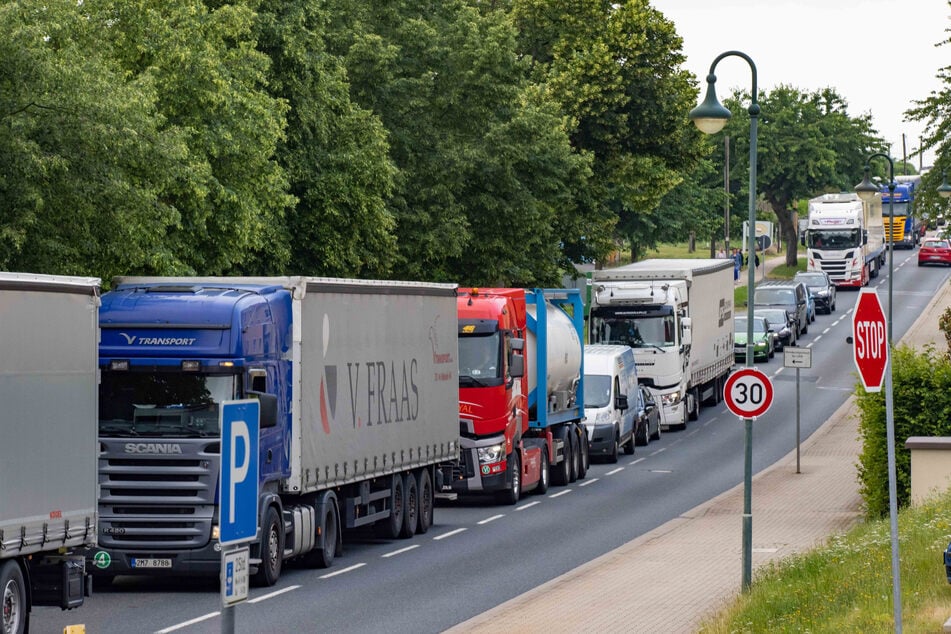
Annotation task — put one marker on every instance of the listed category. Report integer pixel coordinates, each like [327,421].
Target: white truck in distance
[845,238]
[49,334]
[677,315]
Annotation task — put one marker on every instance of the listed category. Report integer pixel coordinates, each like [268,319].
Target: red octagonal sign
[869,335]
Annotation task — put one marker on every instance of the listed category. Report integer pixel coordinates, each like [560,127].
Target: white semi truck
[48,411]
[845,238]
[677,315]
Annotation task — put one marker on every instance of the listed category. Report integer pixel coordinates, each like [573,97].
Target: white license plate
[151,563]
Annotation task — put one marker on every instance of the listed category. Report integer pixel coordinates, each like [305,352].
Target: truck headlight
[492,453]
[671,399]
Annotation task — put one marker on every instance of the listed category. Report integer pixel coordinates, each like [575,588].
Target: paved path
[673,577]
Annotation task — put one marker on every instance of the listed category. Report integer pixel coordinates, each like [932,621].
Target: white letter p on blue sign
[238,490]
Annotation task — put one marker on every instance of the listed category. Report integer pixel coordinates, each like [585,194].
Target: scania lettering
[358,393]
[48,403]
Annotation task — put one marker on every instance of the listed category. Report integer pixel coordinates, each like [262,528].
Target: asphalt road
[479,555]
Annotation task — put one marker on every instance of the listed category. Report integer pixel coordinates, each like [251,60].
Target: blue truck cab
[170,353]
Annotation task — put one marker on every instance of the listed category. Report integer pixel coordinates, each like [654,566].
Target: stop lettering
[870,339]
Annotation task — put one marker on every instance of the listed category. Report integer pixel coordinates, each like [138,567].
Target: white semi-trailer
[677,315]
[48,394]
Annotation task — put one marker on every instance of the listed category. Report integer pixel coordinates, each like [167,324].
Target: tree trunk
[787,230]
[692,242]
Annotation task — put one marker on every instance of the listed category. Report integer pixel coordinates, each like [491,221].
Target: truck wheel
[512,496]
[693,404]
[323,557]
[544,473]
[410,506]
[271,549]
[584,457]
[13,598]
[562,472]
[390,527]
[425,485]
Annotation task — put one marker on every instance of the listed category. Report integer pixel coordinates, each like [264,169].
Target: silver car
[780,322]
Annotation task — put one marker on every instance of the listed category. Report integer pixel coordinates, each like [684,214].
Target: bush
[921,389]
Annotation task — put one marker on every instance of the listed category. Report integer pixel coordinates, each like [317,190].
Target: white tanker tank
[557,334]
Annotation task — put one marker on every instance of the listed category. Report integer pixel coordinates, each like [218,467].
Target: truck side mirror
[268,403]
[802,239]
[620,402]
[864,236]
[686,337]
[517,366]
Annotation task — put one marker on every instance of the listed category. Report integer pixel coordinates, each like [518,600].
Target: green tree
[807,143]
[615,68]
[84,156]
[484,188]
[335,154]
[933,112]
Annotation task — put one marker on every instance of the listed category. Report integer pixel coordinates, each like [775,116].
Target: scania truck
[677,315]
[48,394]
[521,394]
[358,395]
[845,238]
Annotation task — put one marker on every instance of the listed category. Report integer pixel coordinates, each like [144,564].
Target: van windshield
[597,390]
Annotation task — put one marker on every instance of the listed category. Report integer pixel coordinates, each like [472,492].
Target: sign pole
[892,494]
[798,443]
[797,358]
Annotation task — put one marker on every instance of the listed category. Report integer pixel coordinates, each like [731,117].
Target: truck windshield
[834,238]
[171,404]
[479,358]
[642,332]
[597,390]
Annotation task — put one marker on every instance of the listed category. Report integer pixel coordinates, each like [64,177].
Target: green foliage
[921,388]
[845,584]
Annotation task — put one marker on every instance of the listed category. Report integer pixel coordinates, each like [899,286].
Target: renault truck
[356,382]
[521,392]
[677,316]
[48,396]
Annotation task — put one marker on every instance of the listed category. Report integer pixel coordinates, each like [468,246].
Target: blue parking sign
[238,494]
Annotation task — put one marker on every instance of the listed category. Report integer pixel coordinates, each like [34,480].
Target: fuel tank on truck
[563,348]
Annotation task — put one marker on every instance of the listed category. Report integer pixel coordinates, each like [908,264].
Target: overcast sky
[879,55]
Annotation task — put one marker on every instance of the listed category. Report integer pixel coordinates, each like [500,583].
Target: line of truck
[376,396]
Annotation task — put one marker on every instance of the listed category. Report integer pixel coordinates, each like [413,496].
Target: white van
[610,396]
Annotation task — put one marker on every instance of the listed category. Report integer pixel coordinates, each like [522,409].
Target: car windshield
[740,325]
[936,244]
[775,296]
[597,390]
[775,317]
[812,279]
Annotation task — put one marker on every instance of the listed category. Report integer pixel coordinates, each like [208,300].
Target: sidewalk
[684,571]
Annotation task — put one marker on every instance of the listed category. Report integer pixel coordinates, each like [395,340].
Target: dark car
[647,423]
[934,252]
[820,287]
[782,325]
[790,295]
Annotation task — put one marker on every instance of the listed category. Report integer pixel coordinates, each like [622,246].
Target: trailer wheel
[410,506]
[13,598]
[512,496]
[425,485]
[562,472]
[391,526]
[575,457]
[271,550]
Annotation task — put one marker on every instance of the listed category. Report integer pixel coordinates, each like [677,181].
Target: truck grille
[154,501]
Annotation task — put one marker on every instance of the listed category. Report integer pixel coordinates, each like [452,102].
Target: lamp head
[710,116]
[867,189]
[944,189]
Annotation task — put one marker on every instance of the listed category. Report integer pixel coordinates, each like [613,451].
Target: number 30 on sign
[748,393]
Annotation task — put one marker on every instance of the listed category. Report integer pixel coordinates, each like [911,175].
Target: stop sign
[869,334]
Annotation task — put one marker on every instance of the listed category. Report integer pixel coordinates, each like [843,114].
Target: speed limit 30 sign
[748,393]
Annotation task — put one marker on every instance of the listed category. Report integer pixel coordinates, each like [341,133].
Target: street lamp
[710,116]
[944,189]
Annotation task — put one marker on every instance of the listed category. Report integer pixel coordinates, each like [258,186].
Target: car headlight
[822,293]
[671,399]
[492,453]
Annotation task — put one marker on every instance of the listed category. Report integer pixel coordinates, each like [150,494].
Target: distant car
[647,421]
[934,251]
[820,287]
[811,307]
[764,347]
[781,323]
